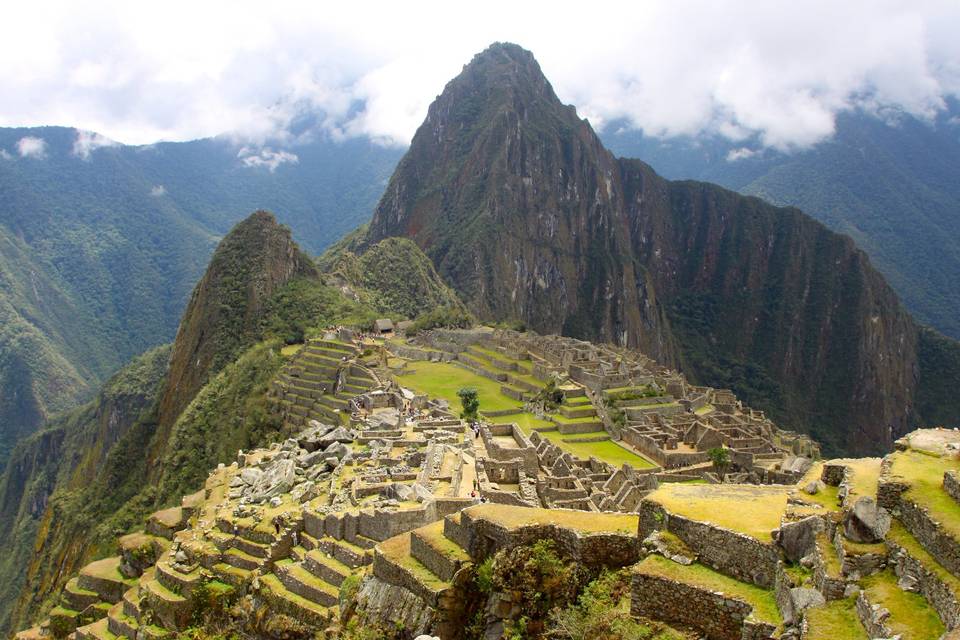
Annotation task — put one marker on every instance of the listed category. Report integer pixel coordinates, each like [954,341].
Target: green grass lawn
[526,421]
[762,600]
[443,380]
[606,450]
[924,473]
[754,510]
[836,620]
[910,614]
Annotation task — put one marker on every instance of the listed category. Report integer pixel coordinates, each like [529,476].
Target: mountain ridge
[530,218]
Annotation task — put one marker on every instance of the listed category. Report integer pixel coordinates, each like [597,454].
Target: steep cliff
[529,218]
[65,457]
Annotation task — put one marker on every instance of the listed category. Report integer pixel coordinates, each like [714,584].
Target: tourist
[296,541]
[276,524]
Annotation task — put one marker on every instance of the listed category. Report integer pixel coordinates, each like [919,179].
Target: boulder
[336,450]
[340,434]
[310,439]
[814,487]
[277,479]
[310,460]
[799,538]
[251,475]
[866,522]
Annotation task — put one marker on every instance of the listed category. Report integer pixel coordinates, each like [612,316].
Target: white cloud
[158,190]
[266,157]
[778,71]
[5,155]
[88,141]
[742,153]
[31,147]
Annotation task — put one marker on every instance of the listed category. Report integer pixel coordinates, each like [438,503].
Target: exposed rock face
[867,522]
[525,213]
[521,208]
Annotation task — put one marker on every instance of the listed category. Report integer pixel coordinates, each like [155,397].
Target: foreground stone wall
[715,615]
[484,537]
[734,554]
[940,596]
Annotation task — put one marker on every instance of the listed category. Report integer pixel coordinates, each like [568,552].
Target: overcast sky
[141,71]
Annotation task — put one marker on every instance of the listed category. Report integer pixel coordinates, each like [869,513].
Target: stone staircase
[318,383]
[90,601]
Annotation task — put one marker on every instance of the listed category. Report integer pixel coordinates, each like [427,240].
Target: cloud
[88,141]
[266,157]
[743,153]
[158,190]
[30,147]
[777,72]
[5,155]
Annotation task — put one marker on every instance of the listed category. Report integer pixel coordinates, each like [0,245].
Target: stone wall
[485,537]
[715,615]
[734,554]
[940,596]
[929,533]
[951,484]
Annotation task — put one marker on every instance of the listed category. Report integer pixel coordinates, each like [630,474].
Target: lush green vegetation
[394,278]
[98,261]
[470,402]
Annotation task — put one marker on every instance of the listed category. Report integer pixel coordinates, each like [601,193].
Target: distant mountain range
[892,183]
[100,244]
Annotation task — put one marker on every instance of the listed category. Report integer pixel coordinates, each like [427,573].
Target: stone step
[131,602]
[307,541]
[173,610]
[120,624]
[287,602]
[63,621]
[333,402]
[228,574]
[167,522]
[364,542]
[95,631]
[140,550]
[577,411]
[241,559]
[347,553]
[442,556]
[326,567]
[77,598]
[103,577]
[182,583]
[306,585]
[393,561]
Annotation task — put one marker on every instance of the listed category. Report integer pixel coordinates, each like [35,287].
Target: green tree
[720,457]
[470,400]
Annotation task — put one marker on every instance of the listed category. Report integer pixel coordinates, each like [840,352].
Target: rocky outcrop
[525,213]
